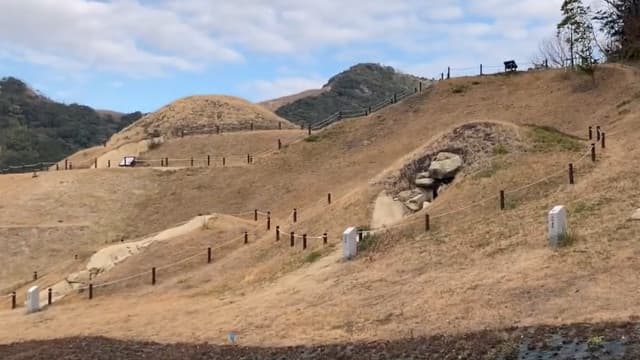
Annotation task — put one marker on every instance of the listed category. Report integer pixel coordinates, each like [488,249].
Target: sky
[129,55]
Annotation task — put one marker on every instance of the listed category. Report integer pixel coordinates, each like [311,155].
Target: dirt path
[387,212]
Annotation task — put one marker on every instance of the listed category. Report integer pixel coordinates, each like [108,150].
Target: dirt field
[478,268]
[600,341]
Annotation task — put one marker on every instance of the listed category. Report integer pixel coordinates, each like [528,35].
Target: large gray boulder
[424,181]
[445,166]
[416,203]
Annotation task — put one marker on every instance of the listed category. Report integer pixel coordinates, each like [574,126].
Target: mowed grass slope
[477,268]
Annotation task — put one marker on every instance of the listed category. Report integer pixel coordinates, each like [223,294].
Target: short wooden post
[590,133]
[593,152]
[340,115]
[246,237]
[502,205]
[35,275]
[192,161]
[218,129]
[369,112]
[325,238]
[166,162]
[182,133]
[295,215]
[95,163]
[293,239]
[280,126]
[153,276]
[360,235]
[441,76]
[255,215]
[279,144]
[57,167]
[90,291]
[304,241]
[208,160]
[329,198]
[309,129]
[66,164]
[602,137]
[278,233]
[224,161]
[70,165]
[571,179]
[597,133]
[248,158]
[420,87]
[251,126]
[49,296]
[109,163]
[395,98]
[209,255]
[268,220]
[427,223]
[448,72]
[13,300]
[481,70]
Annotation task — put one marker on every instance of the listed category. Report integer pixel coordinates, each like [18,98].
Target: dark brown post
[293,239]
[593,152]
[420,86]
[329,198]
[441,76]
[153,276]
[90,291]
[166,162]
[209,255]
[590,133]
[268,220]
[95,163]
[571,179]
[304,241]
[251,126]
[57,167]
[255,215]
[109,163]
[13,300]
[208,160]
[35,275]
[192,161]
[280,126]
[603,141]
[325,238]
[70,165]
[278,233]
[309,129]
[181,133]
[360,235]
[597,133]
[218,129]
[49,297]
[395,98]
[448,72]
[427,223]
[340,115]
[502,200]
[224,161]
[295,215]
[246,237]
[481,70]
[66,164]
[248,158]
[279,144]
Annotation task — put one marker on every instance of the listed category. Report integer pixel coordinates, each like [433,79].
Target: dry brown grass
[478,268]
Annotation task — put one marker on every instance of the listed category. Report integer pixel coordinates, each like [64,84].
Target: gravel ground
[601,341]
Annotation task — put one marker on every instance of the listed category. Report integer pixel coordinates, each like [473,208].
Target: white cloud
[145,38]
[266,90]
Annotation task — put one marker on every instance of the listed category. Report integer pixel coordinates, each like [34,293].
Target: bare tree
[554,51]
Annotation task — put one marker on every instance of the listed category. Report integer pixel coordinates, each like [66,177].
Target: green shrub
[312,256]
[549,139]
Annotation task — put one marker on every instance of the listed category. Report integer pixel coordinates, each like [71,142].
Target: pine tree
[620,21]
[577,30]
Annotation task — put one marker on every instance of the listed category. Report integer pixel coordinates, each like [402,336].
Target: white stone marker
[33,299]
[349,243]
[557,225]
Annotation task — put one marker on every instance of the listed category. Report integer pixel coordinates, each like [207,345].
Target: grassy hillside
[35,129]
[361,86]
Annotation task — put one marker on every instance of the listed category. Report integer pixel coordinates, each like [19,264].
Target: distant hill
[276,104]
[198,114]
[361,86]
[34,128]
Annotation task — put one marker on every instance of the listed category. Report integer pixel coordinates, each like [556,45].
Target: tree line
[611,31]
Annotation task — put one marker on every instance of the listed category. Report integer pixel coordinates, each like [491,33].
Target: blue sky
[129,55]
